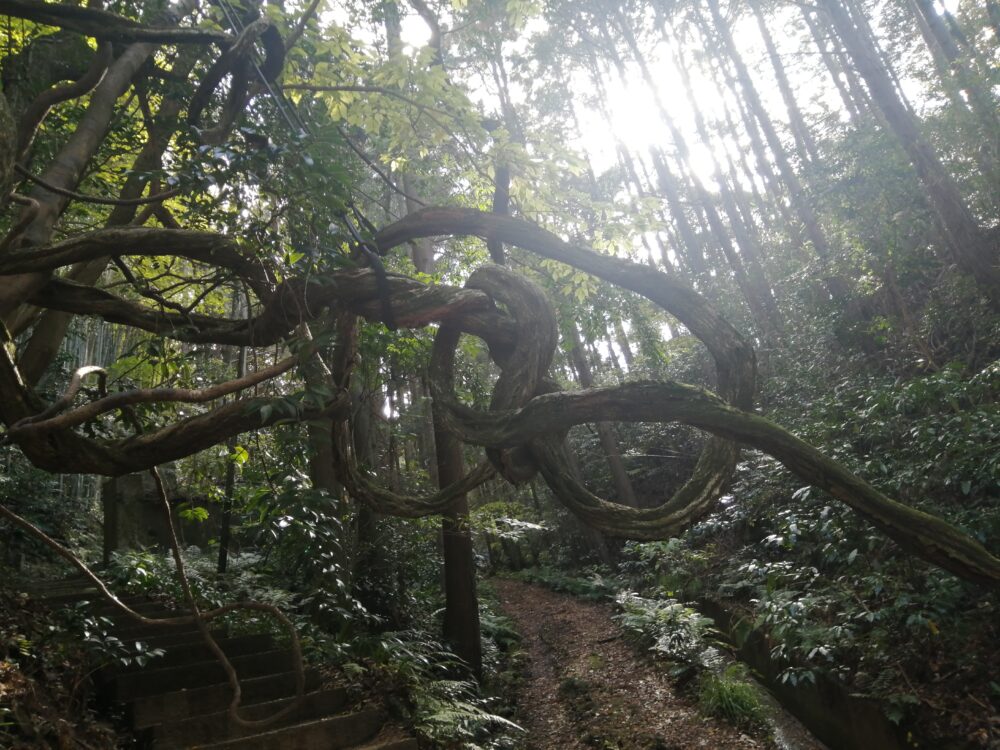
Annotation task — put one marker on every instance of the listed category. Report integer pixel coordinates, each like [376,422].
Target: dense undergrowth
[394,658]
[420,680]
[44,678]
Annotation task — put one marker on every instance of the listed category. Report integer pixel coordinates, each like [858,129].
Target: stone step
[131,630]
[154,681]
[94,603]
[42,586]
[119,623]
[332,733]
[218,727]
[141,605]
[197,651]
[183,637]
[181,704]
[145,607]
[67,598]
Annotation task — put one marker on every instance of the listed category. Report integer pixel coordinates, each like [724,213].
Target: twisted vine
[523,431]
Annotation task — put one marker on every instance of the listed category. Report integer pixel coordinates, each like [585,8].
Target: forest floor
[584,687]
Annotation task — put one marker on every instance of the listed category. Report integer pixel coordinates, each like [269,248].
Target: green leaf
[194,513]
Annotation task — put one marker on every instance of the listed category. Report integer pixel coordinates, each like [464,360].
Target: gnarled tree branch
[49,420]
[102,24]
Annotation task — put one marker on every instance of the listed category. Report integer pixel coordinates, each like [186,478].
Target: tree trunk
[668,183]
[691,248]
[969,245]
[50,328]
[428,461]
[370,572]
[853,96]
[229,486]
[421,250]
[859,17]
[800,200]
[800,131]
[67,168]
[8,150]
[623,343]
[724,80]
[957,79]
[461,616]
[461,611]
[746,267]
[629,167]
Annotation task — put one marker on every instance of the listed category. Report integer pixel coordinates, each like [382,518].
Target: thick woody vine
[526,409]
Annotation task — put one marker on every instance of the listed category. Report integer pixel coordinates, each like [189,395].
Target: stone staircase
[181,699]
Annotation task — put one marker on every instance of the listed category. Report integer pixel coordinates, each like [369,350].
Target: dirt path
[585,688]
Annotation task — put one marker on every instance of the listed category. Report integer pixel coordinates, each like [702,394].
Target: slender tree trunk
[800,131]
[800,200]
[747,268]
[421,250]
[854,98]
[668,183]
[428,458]
[229,485]
[773,206]
[501,168]
[461,613]
[725,80]
[691,246]
[935,46]
[621,339]
[957,79]
[369,572]
[614,358]
[969,245]
[859,17]
[755,294]
[627,162]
